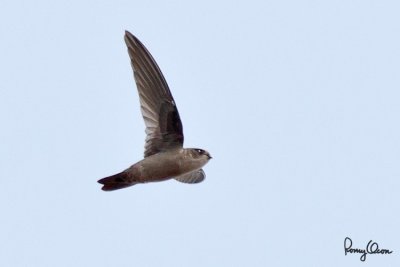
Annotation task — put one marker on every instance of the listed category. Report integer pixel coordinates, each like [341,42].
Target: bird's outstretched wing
[163,124]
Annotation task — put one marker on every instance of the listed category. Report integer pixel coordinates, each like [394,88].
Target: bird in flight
[164,155]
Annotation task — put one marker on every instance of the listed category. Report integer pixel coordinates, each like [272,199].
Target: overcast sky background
[298,102]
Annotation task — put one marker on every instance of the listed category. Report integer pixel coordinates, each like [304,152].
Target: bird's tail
[117,181]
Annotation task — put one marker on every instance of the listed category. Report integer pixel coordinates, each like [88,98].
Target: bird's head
[200,154]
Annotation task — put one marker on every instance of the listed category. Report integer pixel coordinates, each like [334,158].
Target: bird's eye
[200,151]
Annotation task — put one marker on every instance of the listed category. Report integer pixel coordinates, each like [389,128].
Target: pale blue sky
[297,101]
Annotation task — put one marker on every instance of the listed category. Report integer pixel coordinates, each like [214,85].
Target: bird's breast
[160,166]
